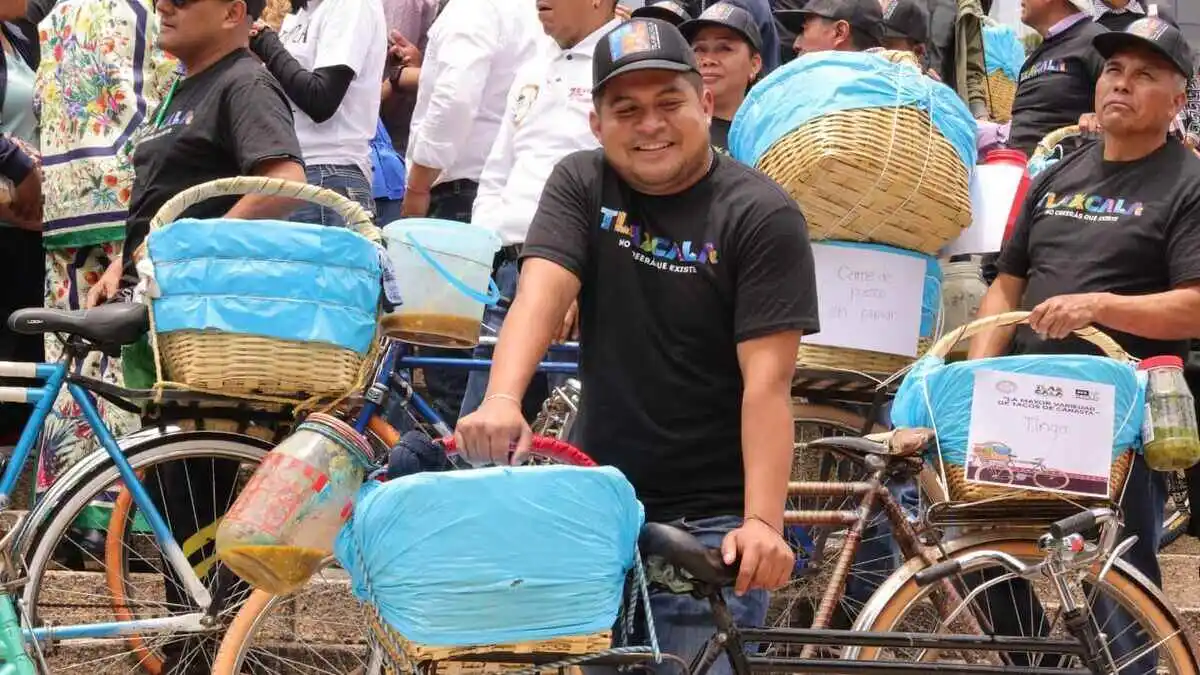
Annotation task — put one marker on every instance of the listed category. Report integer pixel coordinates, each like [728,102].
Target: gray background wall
[1188,13]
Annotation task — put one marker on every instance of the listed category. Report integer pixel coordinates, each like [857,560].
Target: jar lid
[341,433]
[1167,361]
[1005,156]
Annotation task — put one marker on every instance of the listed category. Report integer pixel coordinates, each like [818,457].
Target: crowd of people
[579,130]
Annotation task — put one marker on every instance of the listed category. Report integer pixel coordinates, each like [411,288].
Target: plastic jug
[1169,433]
[1012,159]
[998,188]
[285,521]
[445,273]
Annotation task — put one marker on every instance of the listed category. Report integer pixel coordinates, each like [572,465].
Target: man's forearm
[1173,315]
[257,207]
[768,444]
[421,178]
[995,341]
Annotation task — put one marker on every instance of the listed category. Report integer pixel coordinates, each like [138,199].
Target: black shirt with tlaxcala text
[670,286]
[219,123]
[1091,226]
[1057,85]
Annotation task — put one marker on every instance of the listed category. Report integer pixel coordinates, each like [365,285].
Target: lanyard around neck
[162,109]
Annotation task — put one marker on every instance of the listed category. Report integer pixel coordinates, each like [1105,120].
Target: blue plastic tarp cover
[938,395]
[496,555]
[931,299]
[827,82]
[268,278]
[1003,51]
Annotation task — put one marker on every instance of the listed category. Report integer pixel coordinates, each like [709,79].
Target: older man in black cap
[1109,237]
[729,50]
[835,25]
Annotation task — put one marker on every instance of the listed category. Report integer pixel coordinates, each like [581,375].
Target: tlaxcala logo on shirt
[660,252]
[1084,206]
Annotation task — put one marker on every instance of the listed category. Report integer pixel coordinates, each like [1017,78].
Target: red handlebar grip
[553,448]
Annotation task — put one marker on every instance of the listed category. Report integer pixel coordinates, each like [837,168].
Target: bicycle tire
[900,591]
[43,541]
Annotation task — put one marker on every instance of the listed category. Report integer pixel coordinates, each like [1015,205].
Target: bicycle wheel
[903,605]
[75,598]
[322,628]
[1178,513]
[1051,479]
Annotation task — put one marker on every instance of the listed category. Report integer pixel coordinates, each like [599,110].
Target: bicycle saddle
[115,324]
[683,550]
[899,443]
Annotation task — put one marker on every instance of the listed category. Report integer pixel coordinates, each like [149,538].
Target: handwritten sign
[993,189]
[868,299]
[1041,433]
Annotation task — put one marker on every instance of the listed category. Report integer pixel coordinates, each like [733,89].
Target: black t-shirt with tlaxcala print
[1091,226]
[218,124]
[1057,85]
[670,286]
[718,132]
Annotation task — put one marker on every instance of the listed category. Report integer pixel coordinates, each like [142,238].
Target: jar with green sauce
[1169,431]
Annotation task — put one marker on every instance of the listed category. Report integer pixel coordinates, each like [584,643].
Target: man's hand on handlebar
[764,559]
[487,435]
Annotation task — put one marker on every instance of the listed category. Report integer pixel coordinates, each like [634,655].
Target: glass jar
[285,521]
[1169,431]
[963,289]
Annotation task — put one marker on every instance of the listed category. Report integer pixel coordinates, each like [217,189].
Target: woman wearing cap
[665,10]
[728,48]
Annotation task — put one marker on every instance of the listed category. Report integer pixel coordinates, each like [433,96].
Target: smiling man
[695,281]
[1110,236]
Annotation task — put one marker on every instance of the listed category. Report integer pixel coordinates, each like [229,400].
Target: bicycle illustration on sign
[994,462]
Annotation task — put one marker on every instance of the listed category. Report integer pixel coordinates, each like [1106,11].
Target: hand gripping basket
[954,476]
[882,173]
[247,365]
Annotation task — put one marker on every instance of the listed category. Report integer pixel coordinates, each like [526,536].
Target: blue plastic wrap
[494,556]
[827,82]
[931,299]
[948,389]
[268,278]
[1003,51]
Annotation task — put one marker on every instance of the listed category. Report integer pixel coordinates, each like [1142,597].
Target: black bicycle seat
[684,551]
[114,324]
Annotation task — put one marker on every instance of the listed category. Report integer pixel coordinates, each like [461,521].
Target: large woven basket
[855,360]
[884,175]
[959,489]
[247,365]
[1001,92]
[408,657]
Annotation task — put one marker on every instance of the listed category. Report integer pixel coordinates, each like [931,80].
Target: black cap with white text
[641,44]
[1154,34]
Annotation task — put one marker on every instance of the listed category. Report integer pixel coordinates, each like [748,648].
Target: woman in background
[329,56]
[728,49]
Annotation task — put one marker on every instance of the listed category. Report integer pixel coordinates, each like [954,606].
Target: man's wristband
[503,397]
[762,520]
[394,78]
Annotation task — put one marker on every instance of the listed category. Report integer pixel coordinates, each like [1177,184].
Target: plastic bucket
[444,269]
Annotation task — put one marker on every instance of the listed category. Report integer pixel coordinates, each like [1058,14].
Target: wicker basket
[857,360]
[884,175]
[1001,92]
[407,657]
[959,489]
[247,365]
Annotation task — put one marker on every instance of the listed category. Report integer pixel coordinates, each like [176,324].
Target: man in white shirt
[475,48]
[546,120]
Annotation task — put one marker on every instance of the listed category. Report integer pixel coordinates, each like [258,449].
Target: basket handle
[1092,334]
[1047,145]
[357,218]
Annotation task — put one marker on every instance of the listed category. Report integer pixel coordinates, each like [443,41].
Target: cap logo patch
[633,37]
[1151,28]
[717,12]
[889,8]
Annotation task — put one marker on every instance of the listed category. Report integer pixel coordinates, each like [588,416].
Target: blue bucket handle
[491,298]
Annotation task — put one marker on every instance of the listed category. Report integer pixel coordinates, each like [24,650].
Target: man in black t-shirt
[1110,236]
[695,281]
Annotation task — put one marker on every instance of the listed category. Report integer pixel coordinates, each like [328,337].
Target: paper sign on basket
[1041,433]
[868,299]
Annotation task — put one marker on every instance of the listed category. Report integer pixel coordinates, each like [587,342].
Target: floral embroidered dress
[100,74]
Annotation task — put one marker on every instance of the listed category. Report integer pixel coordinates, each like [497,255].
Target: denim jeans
[387,211]
[506,275]
[346,180]
[683,623]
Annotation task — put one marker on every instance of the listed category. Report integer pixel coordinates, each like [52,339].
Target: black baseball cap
[641,44]
[864,16]
[665,10]
[1152,33]
[727,15]
[906,19]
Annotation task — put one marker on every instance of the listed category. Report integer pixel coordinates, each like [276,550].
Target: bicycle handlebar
[489,341]
[553,448]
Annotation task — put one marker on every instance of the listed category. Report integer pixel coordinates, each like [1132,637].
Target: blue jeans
[493,318]
[387,211]
[684,624]
[346,180]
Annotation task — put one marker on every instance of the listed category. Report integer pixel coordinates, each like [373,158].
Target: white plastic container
[997,189]
[444,270]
